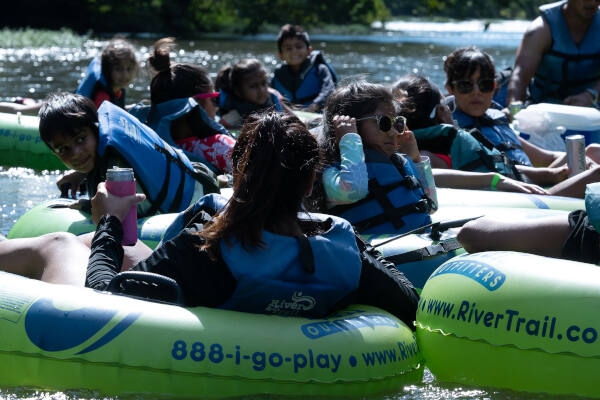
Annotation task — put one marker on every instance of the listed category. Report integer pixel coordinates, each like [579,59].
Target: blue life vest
[94,79]
[296,276]
[160,117]
[164,173]
[210,204]
[304,87]
[494,126]
[396,202]
[469,151]
[567,69]
[228,102]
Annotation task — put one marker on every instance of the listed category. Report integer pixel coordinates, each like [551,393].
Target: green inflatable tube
[21,145]
[55,216]
[416,255]
[62,337]
[513,320]
[489,198]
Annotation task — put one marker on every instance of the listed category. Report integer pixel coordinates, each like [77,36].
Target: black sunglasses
[386,123]
[485,86]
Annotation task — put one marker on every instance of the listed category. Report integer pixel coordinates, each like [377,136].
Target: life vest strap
[163,190]
[307,259]
[394,215]
[174,206]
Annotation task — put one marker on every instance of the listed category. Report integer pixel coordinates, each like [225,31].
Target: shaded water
[30,70]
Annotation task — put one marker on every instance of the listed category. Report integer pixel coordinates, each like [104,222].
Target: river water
[34,65]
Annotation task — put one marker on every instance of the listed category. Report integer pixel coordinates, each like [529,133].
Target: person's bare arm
[537,41]
[540,157]
[452,178]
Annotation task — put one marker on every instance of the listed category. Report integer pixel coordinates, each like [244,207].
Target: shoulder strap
[307,259]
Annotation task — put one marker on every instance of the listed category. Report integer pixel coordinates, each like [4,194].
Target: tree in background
[190,17]
[462,9]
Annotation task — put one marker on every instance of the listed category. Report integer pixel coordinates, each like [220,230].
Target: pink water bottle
[120,182]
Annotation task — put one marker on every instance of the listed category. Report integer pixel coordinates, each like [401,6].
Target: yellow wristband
[495,180]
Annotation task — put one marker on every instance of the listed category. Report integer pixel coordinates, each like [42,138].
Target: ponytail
[175,81]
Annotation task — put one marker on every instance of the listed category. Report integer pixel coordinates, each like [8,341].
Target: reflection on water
[382,57]
[20,190]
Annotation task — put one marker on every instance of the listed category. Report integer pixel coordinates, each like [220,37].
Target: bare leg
[131,254]
[55,257]
[544,236]
[575,186]
[593,152]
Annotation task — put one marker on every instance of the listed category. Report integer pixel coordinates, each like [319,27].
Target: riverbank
[411,27]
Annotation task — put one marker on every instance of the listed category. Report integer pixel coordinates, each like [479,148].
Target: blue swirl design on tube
[52,329]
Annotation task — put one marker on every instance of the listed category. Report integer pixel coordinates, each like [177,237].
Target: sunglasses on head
[485,85]
[385,123]
[448,101]
[209,95]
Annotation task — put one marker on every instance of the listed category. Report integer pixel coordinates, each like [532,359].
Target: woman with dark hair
[258,252]
[386,196]
[429,114]
[470,78]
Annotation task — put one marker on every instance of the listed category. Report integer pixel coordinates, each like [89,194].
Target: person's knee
[471,236]
[593,151]
[594,174]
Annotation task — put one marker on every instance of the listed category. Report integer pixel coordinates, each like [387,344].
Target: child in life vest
[183,110]
[243,90]
[90,141]
[361,140]
[304,78]
[470,78]
[108,77]
[460,158]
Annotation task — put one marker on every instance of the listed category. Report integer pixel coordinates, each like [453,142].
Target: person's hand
[508,114]
[105,203]
[343,124]
[72,178]
[407,144]
[510,185]
[551,176]
[583,99]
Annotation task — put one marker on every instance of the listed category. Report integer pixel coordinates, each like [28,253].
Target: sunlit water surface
[408,47]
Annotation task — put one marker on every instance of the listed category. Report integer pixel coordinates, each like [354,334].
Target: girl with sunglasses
[470,78]
[367,181]
[183,110]
[243,90]
[429,114]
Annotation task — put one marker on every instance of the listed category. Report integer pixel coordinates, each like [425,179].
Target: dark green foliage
[526,9]
[189,17]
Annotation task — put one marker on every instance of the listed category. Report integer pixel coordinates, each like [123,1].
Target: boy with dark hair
[304,77]
[91,142]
